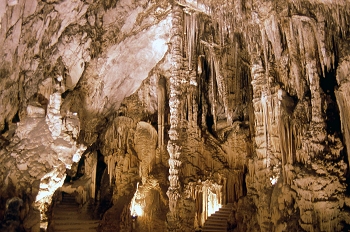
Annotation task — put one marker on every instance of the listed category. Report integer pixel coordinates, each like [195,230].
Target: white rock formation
[42,147]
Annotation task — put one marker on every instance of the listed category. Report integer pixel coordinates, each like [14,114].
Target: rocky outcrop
[38,155]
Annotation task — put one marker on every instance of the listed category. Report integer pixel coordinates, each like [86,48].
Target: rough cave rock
[161,115]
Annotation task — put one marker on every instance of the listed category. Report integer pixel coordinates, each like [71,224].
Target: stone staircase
[67,216]
[217,222]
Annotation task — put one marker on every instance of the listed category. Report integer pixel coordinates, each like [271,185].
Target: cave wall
[244,100]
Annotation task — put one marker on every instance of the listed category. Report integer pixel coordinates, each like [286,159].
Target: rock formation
[157,113]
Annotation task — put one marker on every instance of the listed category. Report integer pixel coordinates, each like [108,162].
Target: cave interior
[157,115]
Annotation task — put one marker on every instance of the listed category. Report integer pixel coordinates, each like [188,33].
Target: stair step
[224,211]
[222,214]
[214,230]
[68,201]
[215,217]
[73,203]
[81,230]
[76,226]
[68,198]
[216,226]
[67,195]
[65,212]
[68,216]
[76,230]
[67,207]
[215,222]
[80,222]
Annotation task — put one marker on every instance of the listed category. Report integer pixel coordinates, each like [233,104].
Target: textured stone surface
[199,103]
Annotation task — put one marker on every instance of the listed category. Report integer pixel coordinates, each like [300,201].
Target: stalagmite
[92,164]
[53,118]
[285,106]
[145,145]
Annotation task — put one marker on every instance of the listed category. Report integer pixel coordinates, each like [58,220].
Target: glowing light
[273,180]
[43,225]
[76,157]
[136,207]
[213,203]
[137,210]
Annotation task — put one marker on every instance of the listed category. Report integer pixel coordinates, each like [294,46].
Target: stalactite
[161,114]
[213,92]
[111,160]
[218,87]
[221,86]
[191,32]
[265,47]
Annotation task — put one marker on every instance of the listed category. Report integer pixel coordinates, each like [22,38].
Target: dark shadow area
[328,85]
[11,221]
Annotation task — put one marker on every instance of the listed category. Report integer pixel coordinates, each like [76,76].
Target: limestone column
[174,146]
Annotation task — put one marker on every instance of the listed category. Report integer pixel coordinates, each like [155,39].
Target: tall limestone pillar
[174,144]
